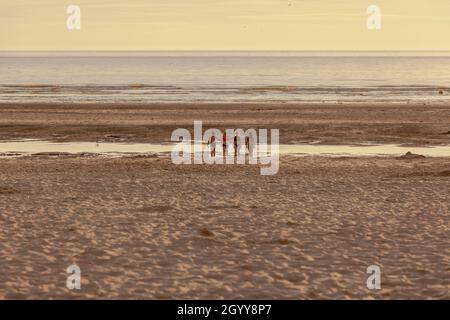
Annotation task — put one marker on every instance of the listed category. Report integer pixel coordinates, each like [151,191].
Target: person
[236,150]
[247,143]
[212,145]
[224,143]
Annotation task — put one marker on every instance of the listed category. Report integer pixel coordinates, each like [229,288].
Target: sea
[224,76]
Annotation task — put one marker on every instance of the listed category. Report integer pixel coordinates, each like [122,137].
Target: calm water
[224,76]
[30,147]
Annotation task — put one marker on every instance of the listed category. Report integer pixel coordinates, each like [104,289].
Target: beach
[141,227]
[413,123]
[227,154]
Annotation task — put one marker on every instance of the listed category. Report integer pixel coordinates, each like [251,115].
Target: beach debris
[290,222]
[205,232]
[53,154]
[112,136]
[410,155]
[441,92]
[283,241]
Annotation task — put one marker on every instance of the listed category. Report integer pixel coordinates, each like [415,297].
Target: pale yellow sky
[224,25]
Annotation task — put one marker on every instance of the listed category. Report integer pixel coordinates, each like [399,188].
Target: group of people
[212,144]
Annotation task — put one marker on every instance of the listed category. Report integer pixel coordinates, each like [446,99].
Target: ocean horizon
[224,76]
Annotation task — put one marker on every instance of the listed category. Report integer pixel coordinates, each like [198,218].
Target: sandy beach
[328,123]
[142,227]
[225,150]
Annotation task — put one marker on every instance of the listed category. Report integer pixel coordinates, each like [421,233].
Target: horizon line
[220,50]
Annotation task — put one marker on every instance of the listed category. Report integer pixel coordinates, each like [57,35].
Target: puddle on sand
[30,147]
[364,150]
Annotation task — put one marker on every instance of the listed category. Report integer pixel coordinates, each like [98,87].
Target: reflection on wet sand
[30,147]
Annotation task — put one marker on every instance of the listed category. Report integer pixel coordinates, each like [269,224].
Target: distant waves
[138,92]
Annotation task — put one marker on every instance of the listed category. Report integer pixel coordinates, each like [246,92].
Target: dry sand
[145,228]
[142,227]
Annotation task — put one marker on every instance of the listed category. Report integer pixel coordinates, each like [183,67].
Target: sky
[225,25]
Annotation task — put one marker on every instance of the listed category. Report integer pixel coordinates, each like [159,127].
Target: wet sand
[328,123]
[145,228]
